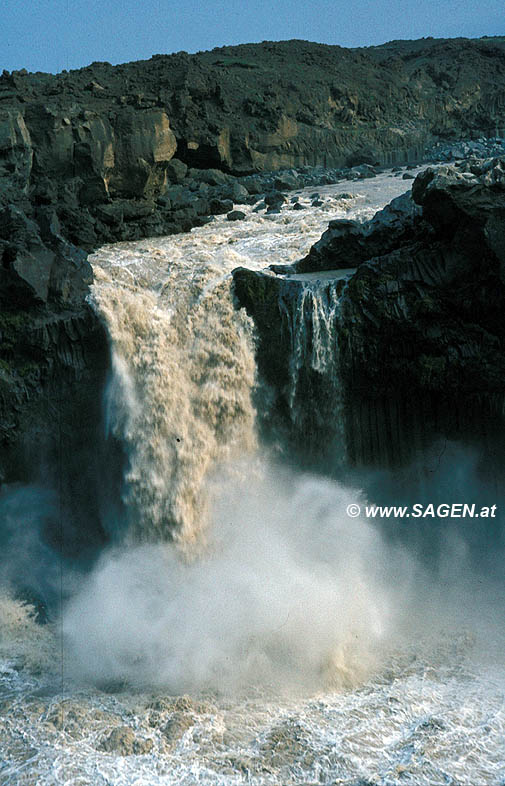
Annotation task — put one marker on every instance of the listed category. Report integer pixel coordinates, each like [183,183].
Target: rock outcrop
[421,337]
[53,366]
[348,243]
[105,145]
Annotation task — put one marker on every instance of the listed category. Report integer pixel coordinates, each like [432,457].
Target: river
[241,628]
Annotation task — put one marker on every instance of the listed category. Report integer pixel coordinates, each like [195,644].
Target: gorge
[191,402]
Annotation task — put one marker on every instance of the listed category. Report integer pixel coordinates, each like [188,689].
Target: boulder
[213,177]
[236,215]
[239,194]
[180,197]
[201,206]
[347,243]
[220,206]
[253,184]
[286,182]
[176,170]
[275,199]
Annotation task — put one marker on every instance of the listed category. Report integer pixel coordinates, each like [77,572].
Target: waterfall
[310,316]
[281,593]
[180,394]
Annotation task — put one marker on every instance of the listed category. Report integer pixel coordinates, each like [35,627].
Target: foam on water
[431,716]
[183,358]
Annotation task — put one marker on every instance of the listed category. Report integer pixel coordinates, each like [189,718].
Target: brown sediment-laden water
[240,627]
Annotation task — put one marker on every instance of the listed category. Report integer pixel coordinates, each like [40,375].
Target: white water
[302,637]
[311,319]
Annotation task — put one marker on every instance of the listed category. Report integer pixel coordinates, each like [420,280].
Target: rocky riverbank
[150,148]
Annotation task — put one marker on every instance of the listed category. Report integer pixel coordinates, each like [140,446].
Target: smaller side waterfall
[310,321]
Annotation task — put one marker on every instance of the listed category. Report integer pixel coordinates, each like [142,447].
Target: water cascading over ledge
[179,398]
[298,362]
[320,407]
[421,346]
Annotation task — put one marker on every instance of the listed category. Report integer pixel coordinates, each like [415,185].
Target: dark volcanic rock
[286,182]
[219,207]
[275,199]
[80,139]
[420,325]
[423,341]
[347,243]
[105,153]
[53,364]
[176,170]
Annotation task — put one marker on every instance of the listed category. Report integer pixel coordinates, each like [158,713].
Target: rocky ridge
[123,152]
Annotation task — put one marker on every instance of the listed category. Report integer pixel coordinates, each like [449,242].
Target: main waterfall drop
[184,385]
[267,599]
[179,398]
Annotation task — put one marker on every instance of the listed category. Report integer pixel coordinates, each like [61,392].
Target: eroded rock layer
[101,144]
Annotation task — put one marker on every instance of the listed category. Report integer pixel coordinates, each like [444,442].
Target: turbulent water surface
[241,628]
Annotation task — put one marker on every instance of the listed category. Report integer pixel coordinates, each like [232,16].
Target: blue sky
[50,35]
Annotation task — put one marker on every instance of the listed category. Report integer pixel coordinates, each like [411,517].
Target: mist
[289,592]
[29,565]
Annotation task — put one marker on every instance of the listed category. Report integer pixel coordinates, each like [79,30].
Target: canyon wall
[111,153]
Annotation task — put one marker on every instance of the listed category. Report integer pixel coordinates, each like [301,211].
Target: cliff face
[103,135]
[53,369]
[53,364]
[254,107]
[420,325]
[116,153]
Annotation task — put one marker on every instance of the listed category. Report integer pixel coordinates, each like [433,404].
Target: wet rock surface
[348,243]
[428,311]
